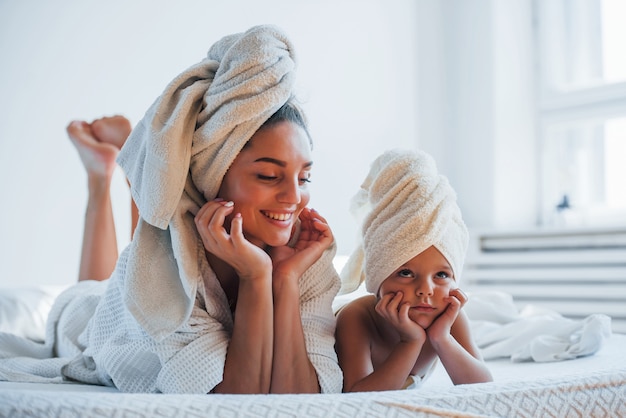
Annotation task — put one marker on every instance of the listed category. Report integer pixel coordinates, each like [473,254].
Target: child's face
[425,281]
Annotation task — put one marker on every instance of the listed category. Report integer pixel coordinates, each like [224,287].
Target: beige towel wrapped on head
[177,155]
[405,207]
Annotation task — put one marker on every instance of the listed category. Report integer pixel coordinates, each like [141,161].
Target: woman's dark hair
[290,112]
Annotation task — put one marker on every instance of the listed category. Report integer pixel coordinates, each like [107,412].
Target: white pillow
[24,311]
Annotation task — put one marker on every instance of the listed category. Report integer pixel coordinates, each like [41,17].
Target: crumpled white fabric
[533,334]
[23,311]
[26,360]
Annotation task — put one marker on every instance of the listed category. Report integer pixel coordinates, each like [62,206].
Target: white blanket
[591,386]
[26,360]
[534,334]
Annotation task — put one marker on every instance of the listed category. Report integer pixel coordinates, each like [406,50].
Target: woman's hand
[397,314]
[315,237]
[248,260]
[440,328]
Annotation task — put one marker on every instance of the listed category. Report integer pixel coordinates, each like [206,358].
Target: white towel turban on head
[176,157]
[209,110]
[405,207]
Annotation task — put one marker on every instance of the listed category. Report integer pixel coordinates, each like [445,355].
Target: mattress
[593,386]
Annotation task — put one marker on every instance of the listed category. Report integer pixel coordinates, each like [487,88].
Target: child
[413,247]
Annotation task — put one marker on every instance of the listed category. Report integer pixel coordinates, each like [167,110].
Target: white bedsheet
[593,386]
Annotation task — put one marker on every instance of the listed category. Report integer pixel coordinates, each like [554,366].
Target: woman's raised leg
[114,130]
[98,144]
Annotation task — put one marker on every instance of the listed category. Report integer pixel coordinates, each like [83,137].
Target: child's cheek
[450,289]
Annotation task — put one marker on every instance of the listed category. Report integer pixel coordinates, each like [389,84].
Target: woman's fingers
[216,224]
[210,222]
[236,230]
[315,214]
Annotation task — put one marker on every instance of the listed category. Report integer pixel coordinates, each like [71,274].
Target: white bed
[593,386]
[590,386]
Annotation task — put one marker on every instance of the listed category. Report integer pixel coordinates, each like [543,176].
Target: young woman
[228,282]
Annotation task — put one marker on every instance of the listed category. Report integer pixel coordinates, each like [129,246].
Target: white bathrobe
[118,352]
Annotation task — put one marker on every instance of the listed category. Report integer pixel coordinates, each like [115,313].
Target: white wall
[476,106]
[72,59]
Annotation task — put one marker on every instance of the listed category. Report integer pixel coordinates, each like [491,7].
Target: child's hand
[397,314]
[248,260]
[440,328]
[315,237]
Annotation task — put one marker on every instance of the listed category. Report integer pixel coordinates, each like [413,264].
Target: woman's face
[268,183]
[425,281]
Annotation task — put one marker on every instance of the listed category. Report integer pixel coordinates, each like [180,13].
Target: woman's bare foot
[98,157]
[112,130]
[98,143]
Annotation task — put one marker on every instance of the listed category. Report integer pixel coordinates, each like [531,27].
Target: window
[582,111]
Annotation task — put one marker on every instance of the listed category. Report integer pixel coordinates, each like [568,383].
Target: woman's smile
[277,216]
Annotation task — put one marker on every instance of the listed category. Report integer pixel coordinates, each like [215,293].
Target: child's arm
[354,339]
[451,338]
